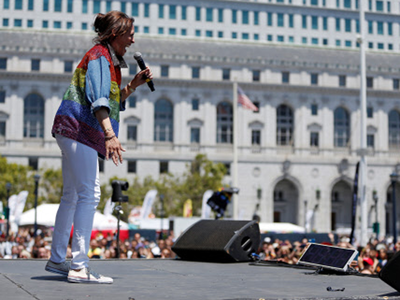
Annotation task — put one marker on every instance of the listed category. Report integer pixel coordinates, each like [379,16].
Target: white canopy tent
[281,228]
[46,216]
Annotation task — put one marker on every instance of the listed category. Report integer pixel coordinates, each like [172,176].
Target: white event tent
[281,228]
[46,216]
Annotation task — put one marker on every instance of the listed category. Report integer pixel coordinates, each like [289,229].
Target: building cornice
[34,76]
[249,87]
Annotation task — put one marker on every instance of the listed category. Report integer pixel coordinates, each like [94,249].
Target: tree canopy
[20,178]
[201,175]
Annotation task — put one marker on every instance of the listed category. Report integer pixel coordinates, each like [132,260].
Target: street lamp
[8,189]
[256,217]
[37,178]
[376,224]
[305,216]
[393,178]
[162,216]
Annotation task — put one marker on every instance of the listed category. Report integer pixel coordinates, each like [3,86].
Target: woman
[382,258]
[85,127]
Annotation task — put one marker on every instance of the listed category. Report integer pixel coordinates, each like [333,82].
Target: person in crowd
[35,251]
[134,244]
[139,240]
[123,250]
[135,254]
[145,253]
[367,259]
[25,254]
[94,250]
[283,254]
[104,243]
[382,257]
[368,266]
[85,127]
[396,247]
[7,246]
[166,253]
[107,254]
[14,253]
[270,252]
[43,253]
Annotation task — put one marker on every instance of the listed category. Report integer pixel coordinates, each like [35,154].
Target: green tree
[201,175]
[21,179]
[136,193]
[51,185]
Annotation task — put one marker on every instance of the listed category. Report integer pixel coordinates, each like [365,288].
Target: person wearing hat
[368,266]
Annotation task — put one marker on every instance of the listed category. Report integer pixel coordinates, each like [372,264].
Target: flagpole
[363,133]
[235,149]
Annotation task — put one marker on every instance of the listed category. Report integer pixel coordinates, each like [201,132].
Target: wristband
[108,138]
[131,89]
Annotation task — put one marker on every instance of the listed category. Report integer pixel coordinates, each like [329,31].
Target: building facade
[297,60]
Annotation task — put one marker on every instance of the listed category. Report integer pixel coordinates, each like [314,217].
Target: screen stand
[322,271]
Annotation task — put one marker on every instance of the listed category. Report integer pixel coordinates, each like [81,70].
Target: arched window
[224,123]
[286,202]
[284,125]
[340,202]
[341,127]
[394,130]
[163,121]
[33,116]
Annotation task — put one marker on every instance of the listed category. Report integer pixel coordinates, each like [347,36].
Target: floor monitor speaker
[390,272]
[218,241]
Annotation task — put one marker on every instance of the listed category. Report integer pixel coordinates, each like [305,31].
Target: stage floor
[182,280]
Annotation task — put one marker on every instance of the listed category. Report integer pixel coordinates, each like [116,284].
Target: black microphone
[142,66]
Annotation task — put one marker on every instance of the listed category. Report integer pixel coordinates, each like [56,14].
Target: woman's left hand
[141,77]
[114,150]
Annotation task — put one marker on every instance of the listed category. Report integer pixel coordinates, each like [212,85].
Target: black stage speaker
[218,241]
[390,272]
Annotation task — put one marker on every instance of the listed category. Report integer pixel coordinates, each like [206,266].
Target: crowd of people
[22,245]
[370,260]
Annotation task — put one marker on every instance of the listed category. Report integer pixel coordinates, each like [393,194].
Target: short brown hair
[114,23]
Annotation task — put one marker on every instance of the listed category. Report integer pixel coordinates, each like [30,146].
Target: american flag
[245,101]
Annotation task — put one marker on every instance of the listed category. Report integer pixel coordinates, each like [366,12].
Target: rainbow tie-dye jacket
[95,84]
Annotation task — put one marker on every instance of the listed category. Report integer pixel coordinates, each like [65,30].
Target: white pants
[81,195]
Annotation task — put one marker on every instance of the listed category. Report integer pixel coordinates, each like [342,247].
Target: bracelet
[108,129]
[130,89]
[108,138]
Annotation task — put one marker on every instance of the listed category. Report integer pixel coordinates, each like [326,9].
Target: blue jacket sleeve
[98,84]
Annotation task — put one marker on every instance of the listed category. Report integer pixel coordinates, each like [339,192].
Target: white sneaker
[61,268]
[86,275]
